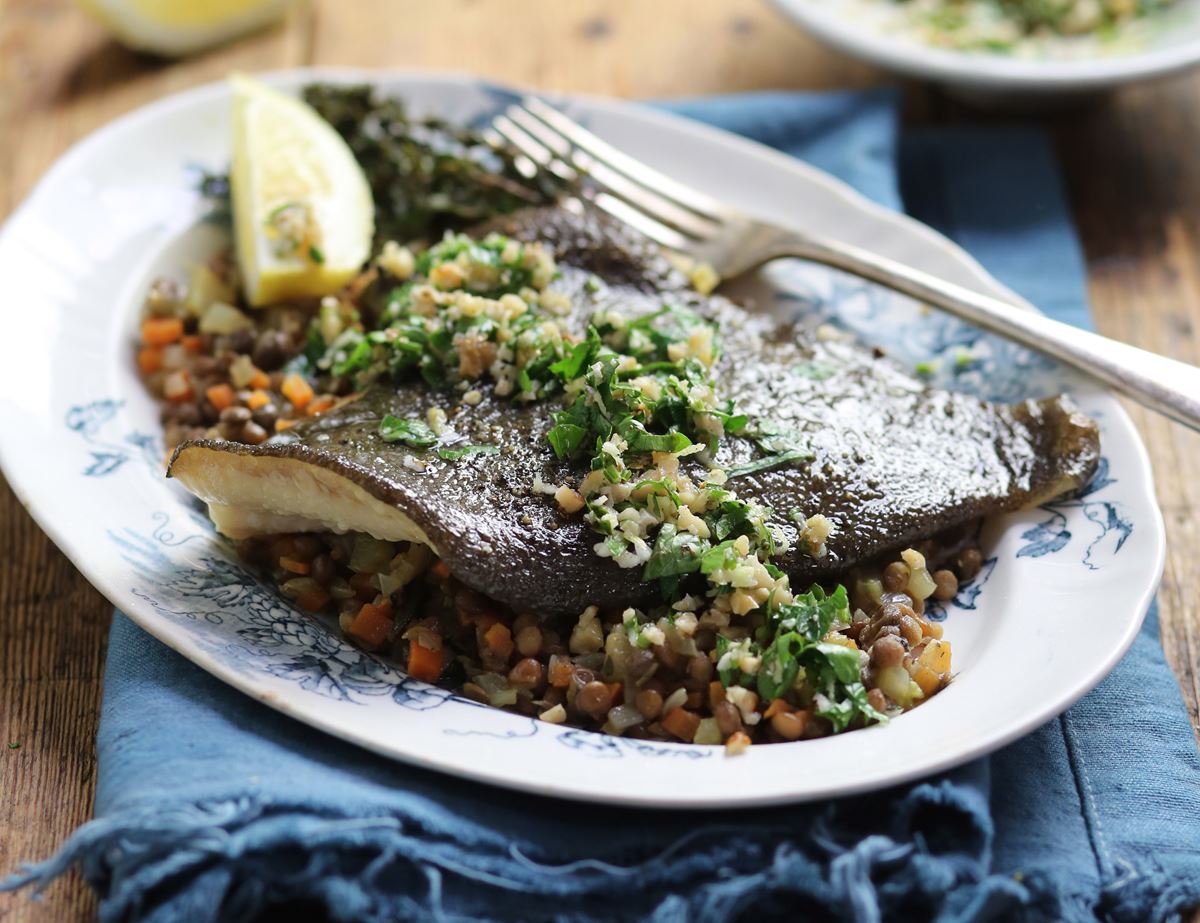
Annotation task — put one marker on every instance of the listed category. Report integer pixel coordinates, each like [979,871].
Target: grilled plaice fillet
[893,460]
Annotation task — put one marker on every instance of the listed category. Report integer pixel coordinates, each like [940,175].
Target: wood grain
[1133,182]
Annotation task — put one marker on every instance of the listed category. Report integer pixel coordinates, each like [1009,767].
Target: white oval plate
[875,31]
[1060,598]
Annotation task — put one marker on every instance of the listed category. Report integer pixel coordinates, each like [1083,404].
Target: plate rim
[245,683]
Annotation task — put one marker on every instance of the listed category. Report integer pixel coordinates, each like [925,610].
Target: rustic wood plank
[61,77]
[1135,192]
[623,48]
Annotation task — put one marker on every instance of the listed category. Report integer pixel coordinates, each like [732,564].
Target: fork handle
[1165,385]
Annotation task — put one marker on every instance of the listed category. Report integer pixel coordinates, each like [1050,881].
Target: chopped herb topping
[635,402]
[416,433]
[456,452]
[426,175]
[770,461]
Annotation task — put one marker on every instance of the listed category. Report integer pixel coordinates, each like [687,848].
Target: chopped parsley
[416,433]
[769,462]
[454,453]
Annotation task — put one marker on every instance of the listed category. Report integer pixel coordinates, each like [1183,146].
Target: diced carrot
[257,399]
[162,331]
[319,405]
[220,396]
[682,723]
[297,390]
[373,623]
[424,664]
[560,671]
[282,424]
[178,387]
[716,694]
[776,706]
[313,598]
[499,640]
[150,359]
[259,379]
[194,343]
[439,571]
[294,566]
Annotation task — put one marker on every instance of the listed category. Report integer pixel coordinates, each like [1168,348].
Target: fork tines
[662,208]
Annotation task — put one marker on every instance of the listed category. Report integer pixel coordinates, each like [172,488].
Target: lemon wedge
[179,27]
[302,208]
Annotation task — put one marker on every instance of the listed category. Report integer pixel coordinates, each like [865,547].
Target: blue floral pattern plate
[1060,598]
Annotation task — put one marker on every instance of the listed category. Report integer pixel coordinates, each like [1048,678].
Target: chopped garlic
[814,533]
[746,702]
[437,420]
[569,500]
[396,260]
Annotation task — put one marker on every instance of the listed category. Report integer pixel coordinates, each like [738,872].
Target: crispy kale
[427,175]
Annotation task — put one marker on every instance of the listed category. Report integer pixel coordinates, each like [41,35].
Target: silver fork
[689,221]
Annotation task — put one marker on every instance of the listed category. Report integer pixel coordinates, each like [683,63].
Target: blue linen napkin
[211,807]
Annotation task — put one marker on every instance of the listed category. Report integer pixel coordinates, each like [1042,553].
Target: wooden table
[1130,163]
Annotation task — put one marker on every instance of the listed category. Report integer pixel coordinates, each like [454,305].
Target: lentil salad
[1020,26]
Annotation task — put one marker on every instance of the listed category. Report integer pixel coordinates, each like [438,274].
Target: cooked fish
[888,461]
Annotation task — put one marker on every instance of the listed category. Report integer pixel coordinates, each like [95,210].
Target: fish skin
[894,461]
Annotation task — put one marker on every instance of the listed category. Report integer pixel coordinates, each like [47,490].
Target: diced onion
[708,732]
[921,584]
[674,700]
[370,555]
[221,318]
[622,718]
[498,690]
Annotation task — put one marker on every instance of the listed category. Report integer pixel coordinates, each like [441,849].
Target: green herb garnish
[416,433]
[769,462]
[455,453]
[426,175]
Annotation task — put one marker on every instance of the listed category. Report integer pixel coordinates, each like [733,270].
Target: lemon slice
[302,208]
[178,27]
